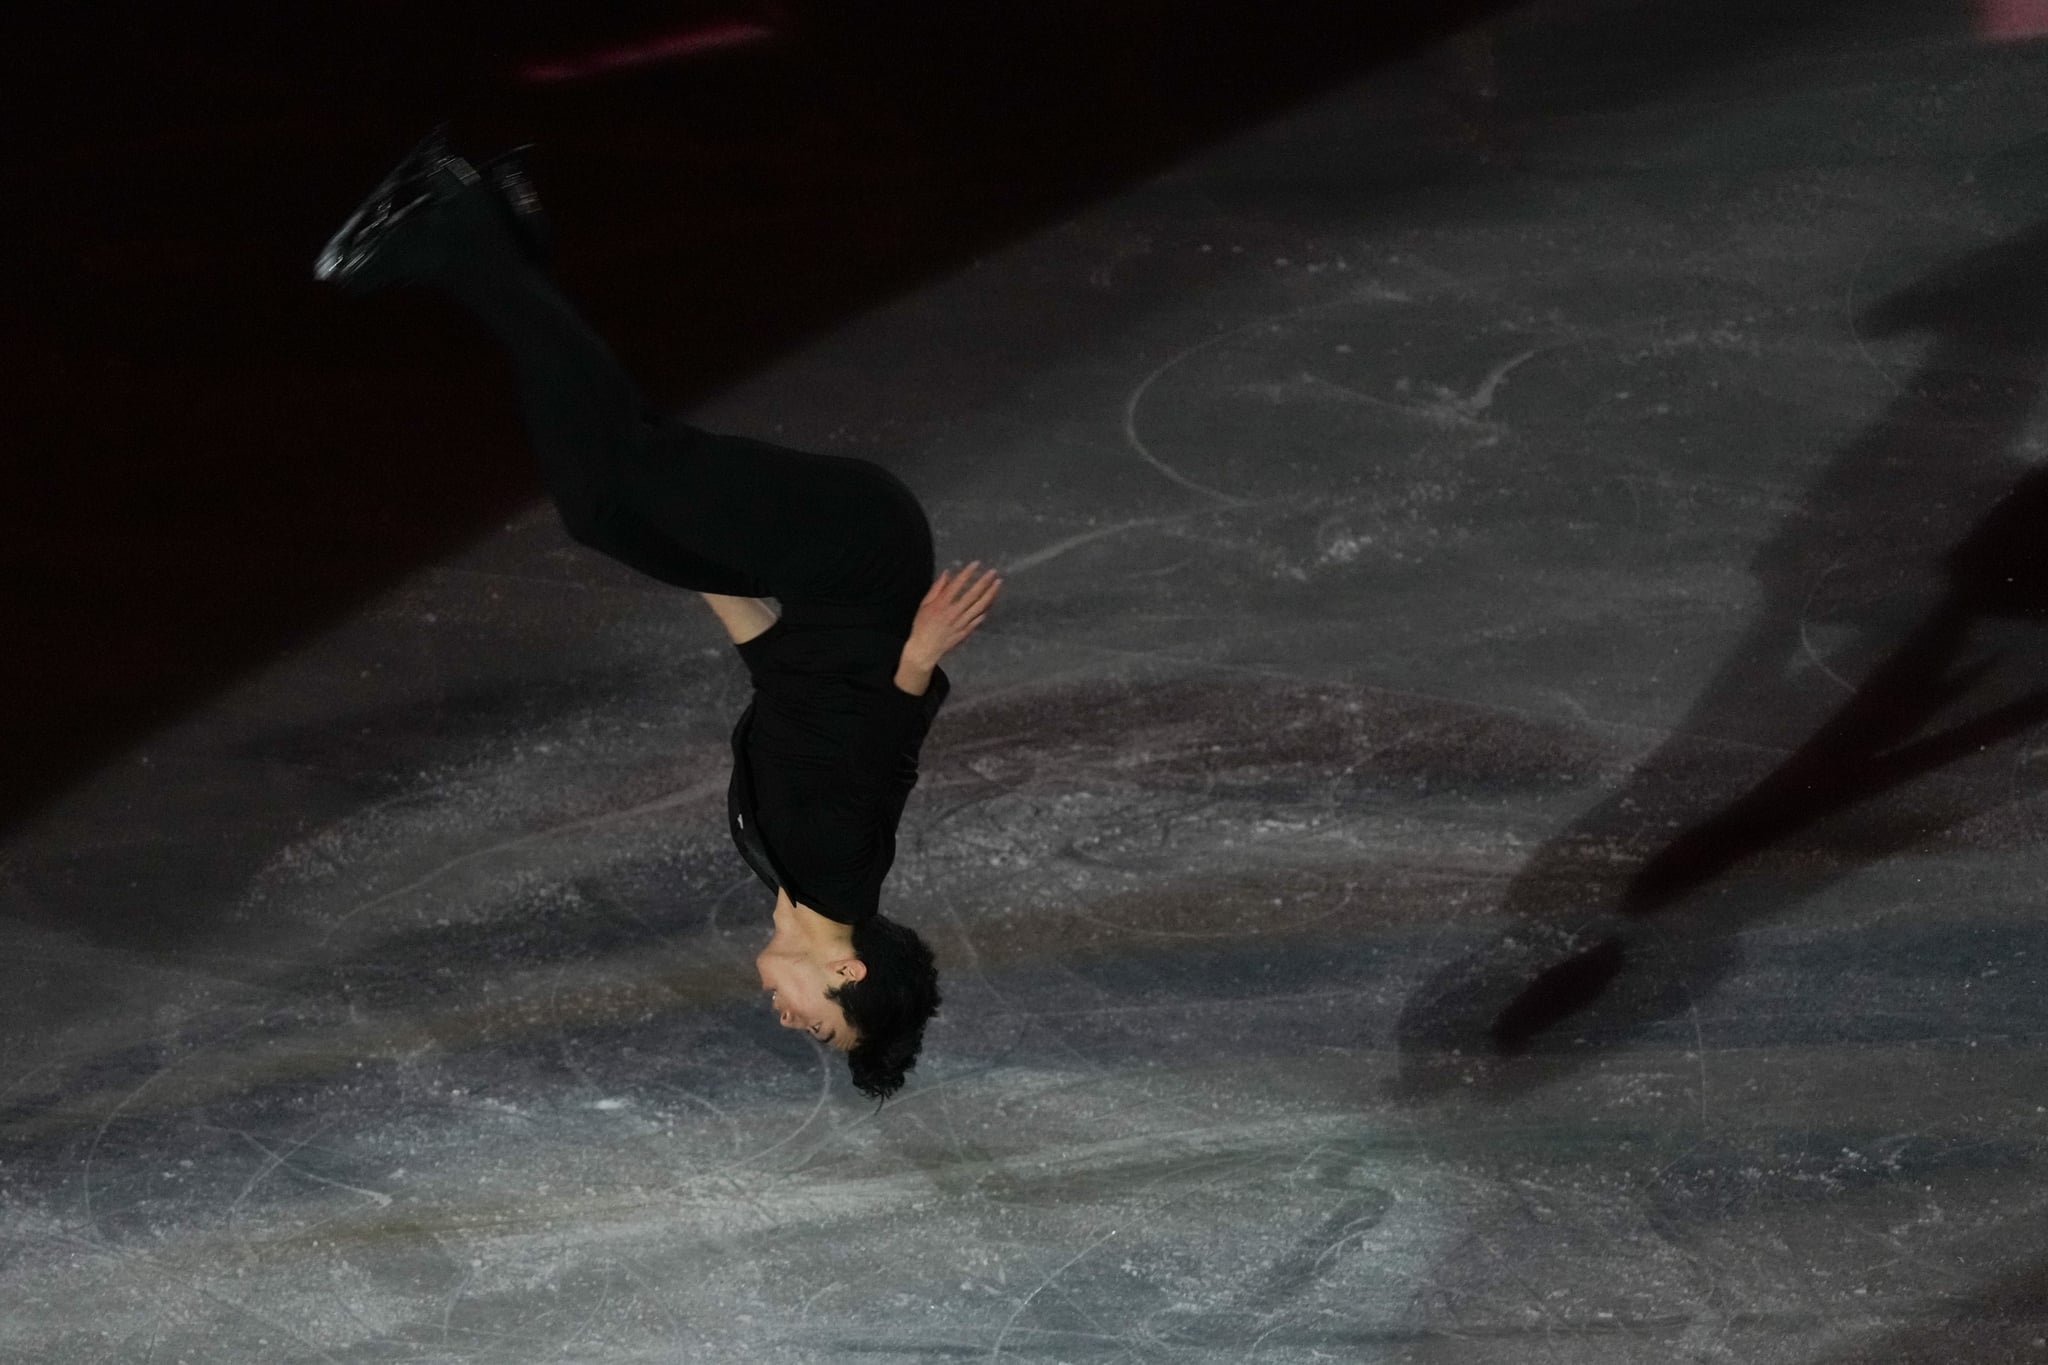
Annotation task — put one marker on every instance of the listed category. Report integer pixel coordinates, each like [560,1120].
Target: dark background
[212,456]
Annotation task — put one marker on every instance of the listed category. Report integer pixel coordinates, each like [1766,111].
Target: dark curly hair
[889,1006]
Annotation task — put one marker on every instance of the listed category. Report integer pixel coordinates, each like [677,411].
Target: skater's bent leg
[842,536]
[618,532]
[583,413]
[722,515]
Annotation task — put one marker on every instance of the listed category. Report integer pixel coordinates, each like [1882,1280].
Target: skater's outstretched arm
[744,618]
[956,605]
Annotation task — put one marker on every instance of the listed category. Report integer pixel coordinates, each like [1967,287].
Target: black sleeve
[741,810]
[888,750]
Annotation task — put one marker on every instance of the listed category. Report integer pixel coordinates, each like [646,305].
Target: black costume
[822,762]
[826,754]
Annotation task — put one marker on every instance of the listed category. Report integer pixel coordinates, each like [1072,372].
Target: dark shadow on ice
[2004,1320]
[1636,908]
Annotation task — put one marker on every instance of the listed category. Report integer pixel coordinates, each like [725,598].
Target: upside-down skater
[846,677]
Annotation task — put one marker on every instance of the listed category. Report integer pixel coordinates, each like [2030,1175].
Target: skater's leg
[587,422]
[723,515]
[583,414]
[719,514]
[615,529]
[837,540]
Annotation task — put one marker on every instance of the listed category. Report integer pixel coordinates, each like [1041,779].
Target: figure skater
[846,679]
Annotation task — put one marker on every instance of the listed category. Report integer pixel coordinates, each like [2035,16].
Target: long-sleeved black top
[823,760]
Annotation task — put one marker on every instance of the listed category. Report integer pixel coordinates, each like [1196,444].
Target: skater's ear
[847,970]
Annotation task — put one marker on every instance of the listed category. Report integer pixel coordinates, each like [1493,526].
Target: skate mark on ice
[672,801]
[1137,395]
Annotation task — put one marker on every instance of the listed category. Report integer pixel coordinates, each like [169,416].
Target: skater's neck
[799,928]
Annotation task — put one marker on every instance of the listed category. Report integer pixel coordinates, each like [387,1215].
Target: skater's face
[796,987]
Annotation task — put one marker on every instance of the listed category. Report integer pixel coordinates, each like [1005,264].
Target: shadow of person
[1623,919]
[1994,1322]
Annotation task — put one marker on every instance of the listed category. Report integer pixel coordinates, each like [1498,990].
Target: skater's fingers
[963,579]
[958,593]
[977,598]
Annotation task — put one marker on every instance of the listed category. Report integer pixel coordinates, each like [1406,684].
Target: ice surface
[1435,554]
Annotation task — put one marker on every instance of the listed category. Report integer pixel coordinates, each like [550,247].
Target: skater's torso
[823,761]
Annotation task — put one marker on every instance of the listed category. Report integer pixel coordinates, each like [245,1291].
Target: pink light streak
[2007,21]
[664,48]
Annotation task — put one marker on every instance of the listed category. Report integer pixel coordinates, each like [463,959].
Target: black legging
[836,540]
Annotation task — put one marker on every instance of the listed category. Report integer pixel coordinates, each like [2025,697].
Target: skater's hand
[956,605]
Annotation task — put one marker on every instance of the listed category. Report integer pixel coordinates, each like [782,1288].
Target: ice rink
[1498,819]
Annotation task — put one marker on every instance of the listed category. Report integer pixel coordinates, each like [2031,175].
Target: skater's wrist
[914,672]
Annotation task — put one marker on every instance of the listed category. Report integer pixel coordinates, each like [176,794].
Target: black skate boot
[389,237]
[506,177]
